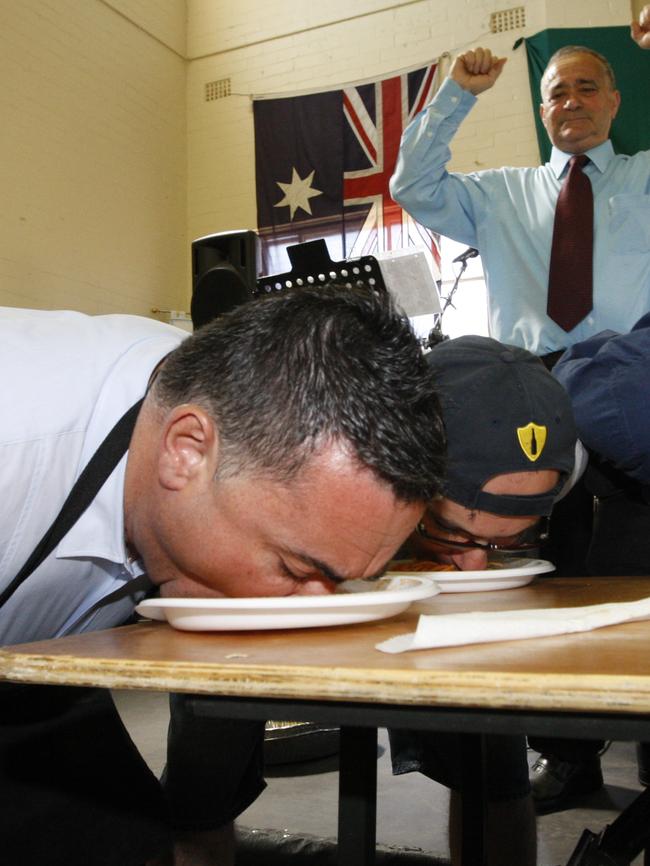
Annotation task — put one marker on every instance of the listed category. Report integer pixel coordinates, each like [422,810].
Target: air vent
[508,19]
[217,89]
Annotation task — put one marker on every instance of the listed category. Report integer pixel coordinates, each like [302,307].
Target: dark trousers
[612,538]
[74,791]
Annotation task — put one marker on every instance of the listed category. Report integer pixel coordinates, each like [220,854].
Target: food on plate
[421,565]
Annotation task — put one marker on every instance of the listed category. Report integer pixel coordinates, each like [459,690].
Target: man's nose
[572,102]
[316,586]
[470,560]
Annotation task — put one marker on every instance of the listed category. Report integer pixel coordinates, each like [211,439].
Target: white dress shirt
[65,380]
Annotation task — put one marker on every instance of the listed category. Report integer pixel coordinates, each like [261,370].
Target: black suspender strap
[87,486]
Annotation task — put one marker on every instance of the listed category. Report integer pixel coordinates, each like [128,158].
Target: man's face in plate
[451,522]
[250,535]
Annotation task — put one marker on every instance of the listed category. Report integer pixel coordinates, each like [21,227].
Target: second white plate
[517,572]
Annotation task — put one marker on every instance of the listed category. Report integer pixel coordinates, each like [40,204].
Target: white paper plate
[361,601]
[513,573]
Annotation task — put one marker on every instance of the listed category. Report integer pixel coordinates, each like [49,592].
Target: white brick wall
[165,20]
[93,155]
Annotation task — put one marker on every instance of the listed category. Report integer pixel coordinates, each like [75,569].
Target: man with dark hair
[511,453]
[509,214]
[279,450]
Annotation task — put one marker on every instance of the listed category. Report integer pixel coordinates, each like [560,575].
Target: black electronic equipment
[311,265]
[224,273]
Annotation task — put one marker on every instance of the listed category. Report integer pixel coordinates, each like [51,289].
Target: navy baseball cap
[503,412]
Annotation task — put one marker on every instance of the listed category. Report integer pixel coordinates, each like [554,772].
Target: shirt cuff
[451,97]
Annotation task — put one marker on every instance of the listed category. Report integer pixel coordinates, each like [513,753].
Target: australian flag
[323,163]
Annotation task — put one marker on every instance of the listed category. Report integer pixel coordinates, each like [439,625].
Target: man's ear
[189,447]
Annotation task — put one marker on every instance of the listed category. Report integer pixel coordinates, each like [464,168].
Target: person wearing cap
[512,452]
[511,444]
[509,215]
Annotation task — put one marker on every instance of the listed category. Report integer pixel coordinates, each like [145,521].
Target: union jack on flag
[376,115]
[324,160]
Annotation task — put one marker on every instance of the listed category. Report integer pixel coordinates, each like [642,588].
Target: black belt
[551,358]
[87,486]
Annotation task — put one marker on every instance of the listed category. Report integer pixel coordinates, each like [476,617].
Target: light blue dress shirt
[508,213]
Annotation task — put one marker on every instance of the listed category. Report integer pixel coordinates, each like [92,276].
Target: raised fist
[477,70]
[640,30]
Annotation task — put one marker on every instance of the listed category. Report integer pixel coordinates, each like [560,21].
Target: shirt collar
[600,157]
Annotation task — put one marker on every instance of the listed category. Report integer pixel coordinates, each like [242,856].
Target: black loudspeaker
[224,273]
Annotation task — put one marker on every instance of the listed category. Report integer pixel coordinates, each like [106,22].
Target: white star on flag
[297,193]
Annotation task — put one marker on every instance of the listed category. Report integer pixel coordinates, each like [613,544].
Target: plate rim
[279,604]
[534,566]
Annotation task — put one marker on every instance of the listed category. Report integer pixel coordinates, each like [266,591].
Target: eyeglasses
[526,540]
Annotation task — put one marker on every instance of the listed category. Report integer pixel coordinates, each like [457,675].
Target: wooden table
[592,685]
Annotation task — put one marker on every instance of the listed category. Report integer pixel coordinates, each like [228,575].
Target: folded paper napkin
[484,627]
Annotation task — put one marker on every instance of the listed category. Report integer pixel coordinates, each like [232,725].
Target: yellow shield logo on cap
[532,439]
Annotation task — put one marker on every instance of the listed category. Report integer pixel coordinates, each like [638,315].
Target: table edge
[478,689]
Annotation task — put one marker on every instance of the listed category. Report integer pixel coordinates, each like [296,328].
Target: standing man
[277,451]
[509,214]
[565,249]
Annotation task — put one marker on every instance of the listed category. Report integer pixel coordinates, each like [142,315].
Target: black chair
[620,842]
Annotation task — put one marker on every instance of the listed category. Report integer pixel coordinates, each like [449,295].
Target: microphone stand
[436,335]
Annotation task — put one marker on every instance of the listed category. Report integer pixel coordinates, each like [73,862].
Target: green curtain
[631,128]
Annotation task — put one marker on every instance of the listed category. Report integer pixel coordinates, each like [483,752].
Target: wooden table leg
[357,836]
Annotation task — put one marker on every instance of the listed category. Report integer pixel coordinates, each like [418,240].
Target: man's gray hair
[567,50]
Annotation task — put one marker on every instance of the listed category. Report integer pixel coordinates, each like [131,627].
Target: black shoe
[556,784]
[293,742]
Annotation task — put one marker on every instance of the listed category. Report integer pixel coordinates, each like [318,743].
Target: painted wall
[93,154]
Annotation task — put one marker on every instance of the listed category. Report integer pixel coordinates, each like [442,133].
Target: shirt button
[429,135]
[454,99]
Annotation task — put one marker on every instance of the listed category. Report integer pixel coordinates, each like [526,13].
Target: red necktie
[570,276]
